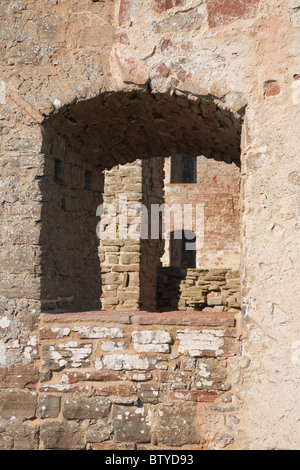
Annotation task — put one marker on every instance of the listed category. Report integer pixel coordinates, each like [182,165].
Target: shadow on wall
[71,191]
[82,140]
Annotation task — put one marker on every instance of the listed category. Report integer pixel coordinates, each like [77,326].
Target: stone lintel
[190,318]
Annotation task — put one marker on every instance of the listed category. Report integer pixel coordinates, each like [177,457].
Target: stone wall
[206,290]
[21,170]
[124,381]
[120,255]
[119,79]
[129,262]
[71,192]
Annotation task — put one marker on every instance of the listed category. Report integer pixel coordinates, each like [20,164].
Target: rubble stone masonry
[207,290]
[125,380]
[88,86]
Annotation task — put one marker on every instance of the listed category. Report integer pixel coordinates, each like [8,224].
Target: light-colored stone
[195,343]
[93,332]
[126,362]
[151,337]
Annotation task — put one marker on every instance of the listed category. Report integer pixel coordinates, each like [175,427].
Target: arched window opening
[97,153]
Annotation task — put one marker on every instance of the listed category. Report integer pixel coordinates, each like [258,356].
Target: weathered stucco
[78,76]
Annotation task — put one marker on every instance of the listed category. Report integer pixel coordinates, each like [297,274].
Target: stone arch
[116,127]
[85,139]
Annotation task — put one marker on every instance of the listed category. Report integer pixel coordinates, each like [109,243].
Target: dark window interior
[183,169]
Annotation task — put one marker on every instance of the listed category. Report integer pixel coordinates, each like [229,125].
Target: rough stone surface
[16,436]
[197,343]
[63,436]
[176,425]
[114,399]
[124,362]
[132,424]
[70,354]
[19,376]
[85,408]
[98,432]
[205,290]
[87,86]
[151,341]
[18,403]
[98,332]
[48,406]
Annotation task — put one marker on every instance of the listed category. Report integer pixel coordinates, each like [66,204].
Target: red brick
[95,316]
[224,12]
[271,88]
[65,388]
[161,6]
[19,376]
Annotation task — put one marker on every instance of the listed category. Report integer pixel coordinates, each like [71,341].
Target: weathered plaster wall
[244,57]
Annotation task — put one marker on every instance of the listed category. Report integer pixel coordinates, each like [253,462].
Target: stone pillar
[151,249]
[129,263]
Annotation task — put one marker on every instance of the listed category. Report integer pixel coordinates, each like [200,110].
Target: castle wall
[124,381]
[204,70]
[71,192]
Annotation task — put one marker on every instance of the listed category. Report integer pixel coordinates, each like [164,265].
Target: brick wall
[217,188]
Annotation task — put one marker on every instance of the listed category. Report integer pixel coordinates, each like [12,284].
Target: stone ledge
[106,316]
[190,318]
